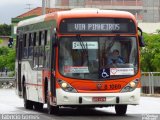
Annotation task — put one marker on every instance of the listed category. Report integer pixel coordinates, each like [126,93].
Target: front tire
[27,103]
[121,109]
[38,106]
[51,109]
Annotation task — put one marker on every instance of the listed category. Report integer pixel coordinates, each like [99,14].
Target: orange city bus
[66,59]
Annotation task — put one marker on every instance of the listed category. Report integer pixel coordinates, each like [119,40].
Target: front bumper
[71,99]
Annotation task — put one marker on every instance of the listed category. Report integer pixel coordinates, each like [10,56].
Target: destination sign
[97,25]
[74,27]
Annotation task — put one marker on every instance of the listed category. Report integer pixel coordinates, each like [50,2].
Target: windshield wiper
[84,49]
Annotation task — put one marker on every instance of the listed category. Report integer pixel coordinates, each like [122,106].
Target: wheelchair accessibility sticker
[104,73]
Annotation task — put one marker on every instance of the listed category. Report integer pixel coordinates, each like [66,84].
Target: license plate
[99,99]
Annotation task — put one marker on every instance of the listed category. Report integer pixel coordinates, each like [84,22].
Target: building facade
[144,10]
[133,6]
[151,10]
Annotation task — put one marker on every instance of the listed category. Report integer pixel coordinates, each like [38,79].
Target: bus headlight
[66,86]
[131,86]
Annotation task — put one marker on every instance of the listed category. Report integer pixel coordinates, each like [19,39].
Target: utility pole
[43,7]
[48,3]
[29,6]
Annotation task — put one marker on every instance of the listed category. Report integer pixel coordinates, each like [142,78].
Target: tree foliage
[1,40]
[7,58]
[5,30]
[150,54]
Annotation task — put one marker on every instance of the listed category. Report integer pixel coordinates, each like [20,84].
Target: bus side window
[25,46]
[41,48]
[45,43]
[35,55]
[47,49]
[45,37]
[34,39]
[19,49]
[30,46]
[17,45]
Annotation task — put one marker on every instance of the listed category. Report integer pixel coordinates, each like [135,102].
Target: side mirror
[141,39]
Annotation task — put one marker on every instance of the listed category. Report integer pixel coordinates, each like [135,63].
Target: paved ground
[149,109]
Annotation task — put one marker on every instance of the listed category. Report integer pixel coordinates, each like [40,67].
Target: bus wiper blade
[81,43]
[84,48]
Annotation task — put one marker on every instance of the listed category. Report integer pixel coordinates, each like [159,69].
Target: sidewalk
[150,95]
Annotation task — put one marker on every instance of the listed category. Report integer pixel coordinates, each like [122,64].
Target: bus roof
[78,13]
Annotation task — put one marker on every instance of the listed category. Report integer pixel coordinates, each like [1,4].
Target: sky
[13,8]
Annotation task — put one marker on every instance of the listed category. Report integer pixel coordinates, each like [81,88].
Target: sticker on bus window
[76,69]
[121,71]
[104,73]
[85,45]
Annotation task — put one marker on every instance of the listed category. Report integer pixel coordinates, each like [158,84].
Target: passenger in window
[115,58]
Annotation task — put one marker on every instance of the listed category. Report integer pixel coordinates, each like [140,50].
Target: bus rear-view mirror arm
[140,38]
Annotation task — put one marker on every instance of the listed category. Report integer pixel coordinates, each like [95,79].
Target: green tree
[7,58]
[5,30]
[2,62]
[150,57]
[1,41]
[10,64]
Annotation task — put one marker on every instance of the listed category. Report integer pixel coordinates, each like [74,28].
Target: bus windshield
[98,58]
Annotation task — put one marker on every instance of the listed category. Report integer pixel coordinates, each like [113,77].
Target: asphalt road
[11,107]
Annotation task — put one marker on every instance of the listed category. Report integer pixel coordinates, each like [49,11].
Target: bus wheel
[38,106]
[27,103]
[55,109]
[49,106]
[121,109]
[52,109]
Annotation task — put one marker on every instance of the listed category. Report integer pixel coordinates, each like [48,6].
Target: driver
[115,58]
